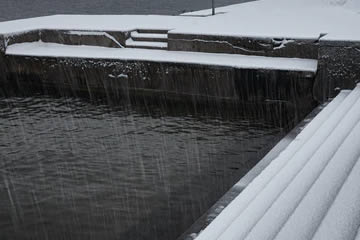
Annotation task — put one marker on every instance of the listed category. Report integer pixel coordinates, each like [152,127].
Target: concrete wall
[338,61]
[244,45]
[2,44]
[276,93]
[91,38]
[31,36]
[339,68]
[199,83]
[103,39]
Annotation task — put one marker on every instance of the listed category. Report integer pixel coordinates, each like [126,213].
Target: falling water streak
[13,207]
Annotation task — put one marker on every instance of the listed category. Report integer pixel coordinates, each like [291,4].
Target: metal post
[213,7]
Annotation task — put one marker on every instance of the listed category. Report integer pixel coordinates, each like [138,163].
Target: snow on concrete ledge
[310,191]
[41,49]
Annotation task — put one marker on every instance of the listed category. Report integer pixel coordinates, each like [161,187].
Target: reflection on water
[71,169]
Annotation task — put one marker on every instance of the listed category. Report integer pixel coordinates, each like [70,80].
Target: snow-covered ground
[228,60]
[306,19]
[97,23]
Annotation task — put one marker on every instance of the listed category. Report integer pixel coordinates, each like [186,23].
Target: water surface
[71,169]
[74,169]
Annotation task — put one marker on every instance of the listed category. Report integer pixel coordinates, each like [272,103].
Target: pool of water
[16,9]
[74,169]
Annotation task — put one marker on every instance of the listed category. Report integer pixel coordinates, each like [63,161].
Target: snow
[86,33]
[149,35]
[318,181]
[343,219]
[321,145]
[229,60]
[97,23]
[236,207]
[119,76]
[133,43]
[358,235]
[298,19]
[310,190]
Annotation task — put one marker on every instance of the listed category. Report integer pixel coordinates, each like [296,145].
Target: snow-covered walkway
[310,191]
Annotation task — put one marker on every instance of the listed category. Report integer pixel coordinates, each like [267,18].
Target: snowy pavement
[40,49]
[310,191]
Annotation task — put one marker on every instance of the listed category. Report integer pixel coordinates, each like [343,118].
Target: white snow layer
[302,19]
[310,191]
[133,43]
[343,218]
[237,206]
[149,35]
[229,60]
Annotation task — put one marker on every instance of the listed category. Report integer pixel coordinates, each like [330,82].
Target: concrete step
[130,43]
[149,37]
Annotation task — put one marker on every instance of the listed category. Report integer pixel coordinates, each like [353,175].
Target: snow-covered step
[130,43]
[343,218]
[149,37]
[315,186]
[330,178]
[239,204]
[306,190]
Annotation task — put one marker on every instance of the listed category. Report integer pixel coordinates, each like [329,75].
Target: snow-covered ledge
[310,191]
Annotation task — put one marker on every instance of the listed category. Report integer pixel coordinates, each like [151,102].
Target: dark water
[74,169]
[71,169]
[15,9]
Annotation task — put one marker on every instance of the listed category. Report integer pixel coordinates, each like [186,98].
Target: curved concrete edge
[229,196]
